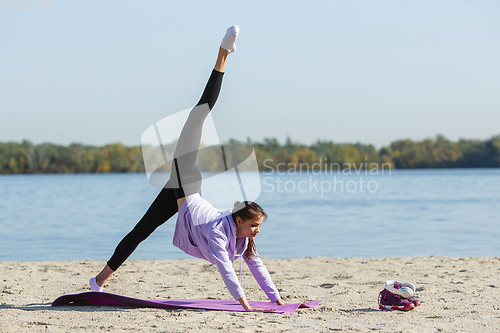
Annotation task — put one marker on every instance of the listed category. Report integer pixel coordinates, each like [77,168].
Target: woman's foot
[102,277]
[229,40]
[94,286]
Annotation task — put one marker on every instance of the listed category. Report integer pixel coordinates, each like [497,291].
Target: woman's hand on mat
[244,303]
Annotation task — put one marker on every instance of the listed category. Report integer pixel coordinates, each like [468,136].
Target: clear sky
[372,71]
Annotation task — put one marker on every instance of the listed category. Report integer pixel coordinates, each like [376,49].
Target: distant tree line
[26,157]
[402,154]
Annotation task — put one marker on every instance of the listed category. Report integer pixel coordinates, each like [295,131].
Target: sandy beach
[457,294]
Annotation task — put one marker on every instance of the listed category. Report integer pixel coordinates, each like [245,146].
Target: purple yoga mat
[102,299]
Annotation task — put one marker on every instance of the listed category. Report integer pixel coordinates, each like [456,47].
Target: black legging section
[165,204]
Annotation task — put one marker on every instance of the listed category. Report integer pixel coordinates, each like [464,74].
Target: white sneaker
[94,286]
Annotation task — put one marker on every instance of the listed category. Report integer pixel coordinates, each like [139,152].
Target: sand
[457,294]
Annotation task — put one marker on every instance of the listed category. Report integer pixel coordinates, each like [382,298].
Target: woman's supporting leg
[158,213]
[162,209]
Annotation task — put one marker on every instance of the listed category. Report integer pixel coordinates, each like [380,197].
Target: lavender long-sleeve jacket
[208,233]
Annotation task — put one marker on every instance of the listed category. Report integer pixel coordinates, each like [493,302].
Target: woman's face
[249,228]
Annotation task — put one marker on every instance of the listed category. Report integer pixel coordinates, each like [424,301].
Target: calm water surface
[452,212]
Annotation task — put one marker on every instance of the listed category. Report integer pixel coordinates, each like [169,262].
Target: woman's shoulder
[223,227]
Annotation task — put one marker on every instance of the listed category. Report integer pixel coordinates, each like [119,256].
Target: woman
[201,230]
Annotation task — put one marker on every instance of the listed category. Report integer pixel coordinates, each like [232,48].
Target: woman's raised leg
[165,205]
[185,174]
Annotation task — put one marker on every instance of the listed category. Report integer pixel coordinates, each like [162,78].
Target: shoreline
[453,291]
[263,258]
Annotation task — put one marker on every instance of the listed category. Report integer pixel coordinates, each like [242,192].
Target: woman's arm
[263,278]
[220,255]
[216,244]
